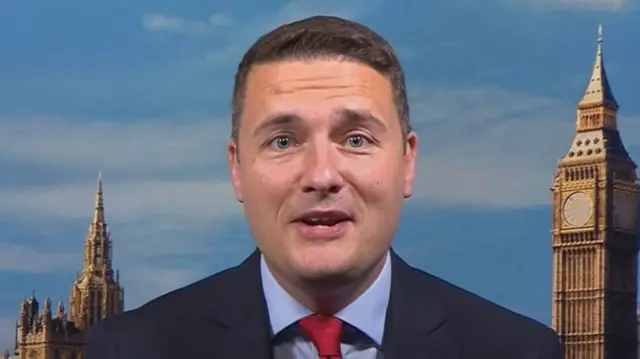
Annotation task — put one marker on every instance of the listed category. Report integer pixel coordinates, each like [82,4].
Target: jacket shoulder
[139,332]
[483,326]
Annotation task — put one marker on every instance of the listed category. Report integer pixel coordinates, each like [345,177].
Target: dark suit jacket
[225,316]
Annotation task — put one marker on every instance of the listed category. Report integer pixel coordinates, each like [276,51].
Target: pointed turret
[598,92]
[598,109]
[60,310]
[34,306]
[597,135]
[96,293]
[98,208]
[47,304]
[22,325]
[24,308]
[98,243]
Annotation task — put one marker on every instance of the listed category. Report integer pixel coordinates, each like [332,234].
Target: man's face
[320,167]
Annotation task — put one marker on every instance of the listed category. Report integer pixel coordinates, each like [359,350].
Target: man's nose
[321,173]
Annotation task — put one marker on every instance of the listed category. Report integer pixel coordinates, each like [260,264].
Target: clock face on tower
[577,209]
[624,210]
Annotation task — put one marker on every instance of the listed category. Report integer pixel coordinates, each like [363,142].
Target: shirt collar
[366,313]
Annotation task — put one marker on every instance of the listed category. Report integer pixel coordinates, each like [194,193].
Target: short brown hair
[323,37]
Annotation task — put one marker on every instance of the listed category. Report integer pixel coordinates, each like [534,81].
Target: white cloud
[591,5]
[132,147]
[250,30]
[162,194]
[465,106]
[247,32]
[489,147]
[175,24]
[129,201]
[147,220]
[471,137]
[21,258]
[298,9]
[173,82]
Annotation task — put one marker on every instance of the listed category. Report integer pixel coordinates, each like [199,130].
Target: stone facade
[95,294]
[594,232]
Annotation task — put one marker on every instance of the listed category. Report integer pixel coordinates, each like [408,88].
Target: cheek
[269,184]
[375,179]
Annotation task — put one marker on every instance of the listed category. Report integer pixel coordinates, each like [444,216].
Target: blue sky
[141,91]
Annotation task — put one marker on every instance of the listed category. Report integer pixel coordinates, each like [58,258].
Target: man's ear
[234,167]
[410,158]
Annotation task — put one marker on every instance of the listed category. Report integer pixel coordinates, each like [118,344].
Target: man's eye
[281,142]
[356,141]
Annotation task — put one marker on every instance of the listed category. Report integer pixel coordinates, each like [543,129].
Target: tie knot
[324,332]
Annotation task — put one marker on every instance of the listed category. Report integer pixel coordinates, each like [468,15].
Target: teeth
[321,221]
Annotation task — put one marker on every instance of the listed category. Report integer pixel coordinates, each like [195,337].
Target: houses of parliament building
[96,293]
[594,239]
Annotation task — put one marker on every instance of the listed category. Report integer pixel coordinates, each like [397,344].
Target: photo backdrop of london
[141,91]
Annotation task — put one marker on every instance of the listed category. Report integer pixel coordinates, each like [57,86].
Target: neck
[328,295]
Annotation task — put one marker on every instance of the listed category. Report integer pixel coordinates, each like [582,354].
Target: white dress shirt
[364,319]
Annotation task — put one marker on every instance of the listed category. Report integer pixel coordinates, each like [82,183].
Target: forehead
[315,89]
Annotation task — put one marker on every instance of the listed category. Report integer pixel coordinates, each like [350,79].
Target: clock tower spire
[594,232]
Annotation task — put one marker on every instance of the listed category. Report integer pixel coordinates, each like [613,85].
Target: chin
[324,255]
[325,265]
[326,278]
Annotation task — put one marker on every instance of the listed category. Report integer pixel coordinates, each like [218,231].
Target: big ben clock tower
[595,248]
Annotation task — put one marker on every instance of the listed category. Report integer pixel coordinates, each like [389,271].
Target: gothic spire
[98,244]
[98,208]
[598,92]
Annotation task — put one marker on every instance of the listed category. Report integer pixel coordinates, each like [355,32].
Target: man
[322,157]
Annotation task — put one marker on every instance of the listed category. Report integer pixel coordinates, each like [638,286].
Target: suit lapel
[240,314]
[416,321]
[416,324]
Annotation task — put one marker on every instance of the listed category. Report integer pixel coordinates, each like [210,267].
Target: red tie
[325,333]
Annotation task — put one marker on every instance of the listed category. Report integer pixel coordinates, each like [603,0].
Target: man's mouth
[324,218]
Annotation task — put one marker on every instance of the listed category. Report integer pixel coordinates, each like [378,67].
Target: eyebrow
[363,118]
[346,115]
[277,120]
